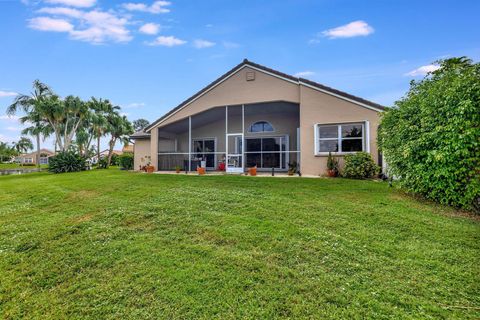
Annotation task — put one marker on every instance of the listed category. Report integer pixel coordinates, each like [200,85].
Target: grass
[113,244]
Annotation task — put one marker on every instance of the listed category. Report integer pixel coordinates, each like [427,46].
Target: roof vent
[250,75]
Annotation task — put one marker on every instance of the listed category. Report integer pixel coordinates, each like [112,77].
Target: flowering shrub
[360,166]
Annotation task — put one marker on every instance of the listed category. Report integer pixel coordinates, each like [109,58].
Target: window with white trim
[340,138]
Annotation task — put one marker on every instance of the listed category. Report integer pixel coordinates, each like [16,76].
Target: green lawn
[114,244]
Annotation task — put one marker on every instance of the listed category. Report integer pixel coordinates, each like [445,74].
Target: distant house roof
[42,150]
[105,152]
[246,62]
[128,148]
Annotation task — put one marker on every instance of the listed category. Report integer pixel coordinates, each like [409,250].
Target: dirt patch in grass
[83,218]
[82,195]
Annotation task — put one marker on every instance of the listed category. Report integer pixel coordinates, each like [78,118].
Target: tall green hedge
[431,138]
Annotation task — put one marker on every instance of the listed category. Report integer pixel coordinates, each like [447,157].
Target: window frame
[256,132]
[203,153]
[365,137]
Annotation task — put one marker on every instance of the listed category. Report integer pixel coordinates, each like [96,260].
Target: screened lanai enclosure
[232,139]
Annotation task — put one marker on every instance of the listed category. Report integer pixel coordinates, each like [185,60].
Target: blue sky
[148,56]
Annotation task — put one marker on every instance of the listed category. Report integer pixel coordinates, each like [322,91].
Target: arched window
[261,126]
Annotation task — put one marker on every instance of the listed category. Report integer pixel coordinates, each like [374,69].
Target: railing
[264,160]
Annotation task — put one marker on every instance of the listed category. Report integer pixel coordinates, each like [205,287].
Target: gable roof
[273,72]
[42,150]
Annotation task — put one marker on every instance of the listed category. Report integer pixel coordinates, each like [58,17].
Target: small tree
[140,124]
[431,139]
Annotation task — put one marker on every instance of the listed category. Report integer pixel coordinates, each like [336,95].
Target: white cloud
[302,74]
[200,44]
[7,94]
[155,8]
[49,24]
[74,3]
[7,138]
[134,105]
[62,11]
[9,118]
[103,26]
[94,26]
[169,41]
[14,128]
[353,29]
[150,28]
[423,70]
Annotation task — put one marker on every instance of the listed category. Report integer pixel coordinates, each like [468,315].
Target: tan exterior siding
[320,108]
[141,153]
[315,107]
[236,91]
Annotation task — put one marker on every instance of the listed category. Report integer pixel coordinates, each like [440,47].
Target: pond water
[17,171]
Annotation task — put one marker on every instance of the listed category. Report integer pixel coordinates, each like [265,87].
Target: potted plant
[149,168]
[178,168]
[292,168]
[332,166]
[252,171]
[201,170]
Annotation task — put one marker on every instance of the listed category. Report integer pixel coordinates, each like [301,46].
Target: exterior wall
[318,108]
[315,108]
[154,147]
[141,153]
[33,156]
[236,91]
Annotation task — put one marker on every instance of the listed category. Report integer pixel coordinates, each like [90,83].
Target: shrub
[360,166]
[102,163]
[431,139]
[28,164]
[68,161]
[126,161]
[115,160]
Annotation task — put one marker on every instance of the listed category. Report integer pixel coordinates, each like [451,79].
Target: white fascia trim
[244,66]
[340,97]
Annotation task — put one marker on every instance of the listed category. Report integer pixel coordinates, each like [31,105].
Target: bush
[115,160]
[360,166]
[68,161]
[126,161]
[102,163]
[431,139]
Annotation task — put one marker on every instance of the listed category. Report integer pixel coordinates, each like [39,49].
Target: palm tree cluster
[73,123]
[8,152]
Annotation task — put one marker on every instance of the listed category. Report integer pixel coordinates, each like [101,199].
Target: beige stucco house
[256,116]
[31,158]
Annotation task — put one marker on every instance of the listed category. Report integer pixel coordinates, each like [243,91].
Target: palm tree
[30,105]
[120,129]
[100,125]
[23,145]
[6,151]
[39,128]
